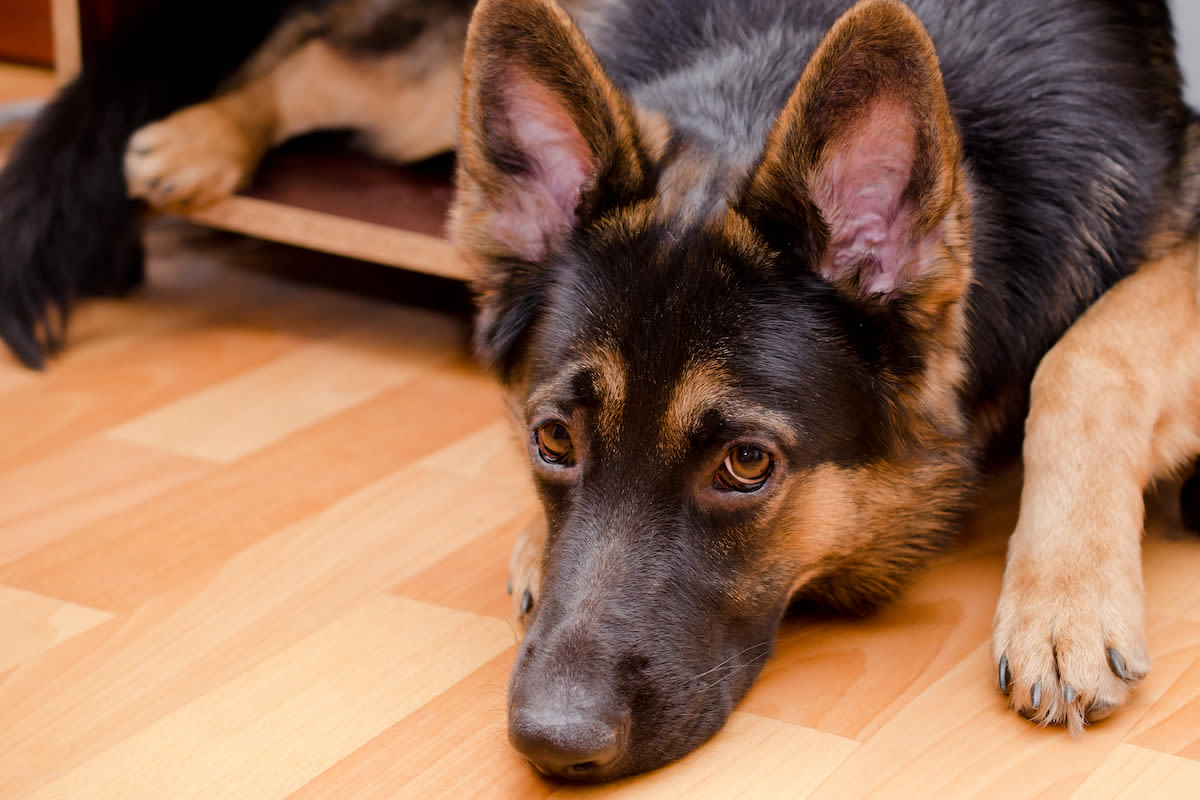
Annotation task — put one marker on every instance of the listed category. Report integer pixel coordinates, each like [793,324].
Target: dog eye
[745,469]
[554,444]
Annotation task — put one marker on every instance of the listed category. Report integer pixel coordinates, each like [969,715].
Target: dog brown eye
[745,469]
[554,443]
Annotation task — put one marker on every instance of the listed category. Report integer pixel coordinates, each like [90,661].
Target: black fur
[66,227]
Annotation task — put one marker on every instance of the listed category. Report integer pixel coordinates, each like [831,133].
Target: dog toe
[192,158]
[1068,657]
[525,570]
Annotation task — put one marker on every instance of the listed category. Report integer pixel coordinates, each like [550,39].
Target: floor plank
[239,416]
[276,726]
[30,624]
[1131,773]
[50,498]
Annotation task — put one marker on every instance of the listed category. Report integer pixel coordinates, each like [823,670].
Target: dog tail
[67,228]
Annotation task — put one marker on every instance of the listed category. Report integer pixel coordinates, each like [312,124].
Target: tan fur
[840,521]
[604,369]
[607,369]
[403,103]
[525,566]
[655,130]
[1115,405]
[702,388]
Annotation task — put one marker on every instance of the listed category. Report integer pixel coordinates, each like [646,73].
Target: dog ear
[862,174]
[546,142]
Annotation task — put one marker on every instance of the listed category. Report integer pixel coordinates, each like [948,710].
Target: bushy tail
[67,228]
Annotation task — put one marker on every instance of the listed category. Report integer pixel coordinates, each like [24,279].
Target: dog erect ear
[546,142]
[545,137]
[862,174]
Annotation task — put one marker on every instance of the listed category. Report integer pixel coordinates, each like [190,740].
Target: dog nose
[567,743]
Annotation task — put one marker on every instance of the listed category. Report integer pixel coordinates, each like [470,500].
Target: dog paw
[525,570]
[190,159]
[1068,650]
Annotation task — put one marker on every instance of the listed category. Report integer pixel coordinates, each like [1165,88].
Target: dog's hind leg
[1114,404]
[403,103]
[67,229]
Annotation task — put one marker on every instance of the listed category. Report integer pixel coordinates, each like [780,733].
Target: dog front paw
[190,159]
[1068,648]
[525,570]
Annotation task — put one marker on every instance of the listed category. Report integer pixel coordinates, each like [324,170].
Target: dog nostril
[567,744]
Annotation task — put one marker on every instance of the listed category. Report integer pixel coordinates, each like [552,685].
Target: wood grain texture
[1131,773]
[50,498]
[327,695]
[333,233]
[254,539]
[30,624]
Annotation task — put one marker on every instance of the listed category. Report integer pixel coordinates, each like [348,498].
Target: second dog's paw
[525,570]
[190,159]
[1068,651]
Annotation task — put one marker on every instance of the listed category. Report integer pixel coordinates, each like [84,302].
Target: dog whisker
[723,664]
[727,670]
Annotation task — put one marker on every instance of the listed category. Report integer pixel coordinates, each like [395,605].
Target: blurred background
[1187,23]
[25,34]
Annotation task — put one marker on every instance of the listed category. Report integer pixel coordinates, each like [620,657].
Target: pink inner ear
[859,186]
[540,207]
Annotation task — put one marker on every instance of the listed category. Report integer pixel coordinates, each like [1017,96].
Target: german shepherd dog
[766,283]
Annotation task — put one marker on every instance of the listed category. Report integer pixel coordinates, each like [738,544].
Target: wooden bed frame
[342,204]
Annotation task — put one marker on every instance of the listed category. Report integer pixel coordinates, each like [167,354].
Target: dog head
[725,410]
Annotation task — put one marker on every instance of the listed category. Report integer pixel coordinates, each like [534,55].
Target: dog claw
[1069,694]
[510,586]
[1117,662]
[526,602]
[1035,696]
[1005,674]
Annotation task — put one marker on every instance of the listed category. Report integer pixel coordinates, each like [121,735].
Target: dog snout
[581,740]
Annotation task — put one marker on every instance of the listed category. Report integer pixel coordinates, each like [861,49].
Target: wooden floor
[19,82]
[253,544]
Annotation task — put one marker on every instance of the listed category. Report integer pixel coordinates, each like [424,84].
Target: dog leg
[1113,405]
[525,570]
[402,103]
